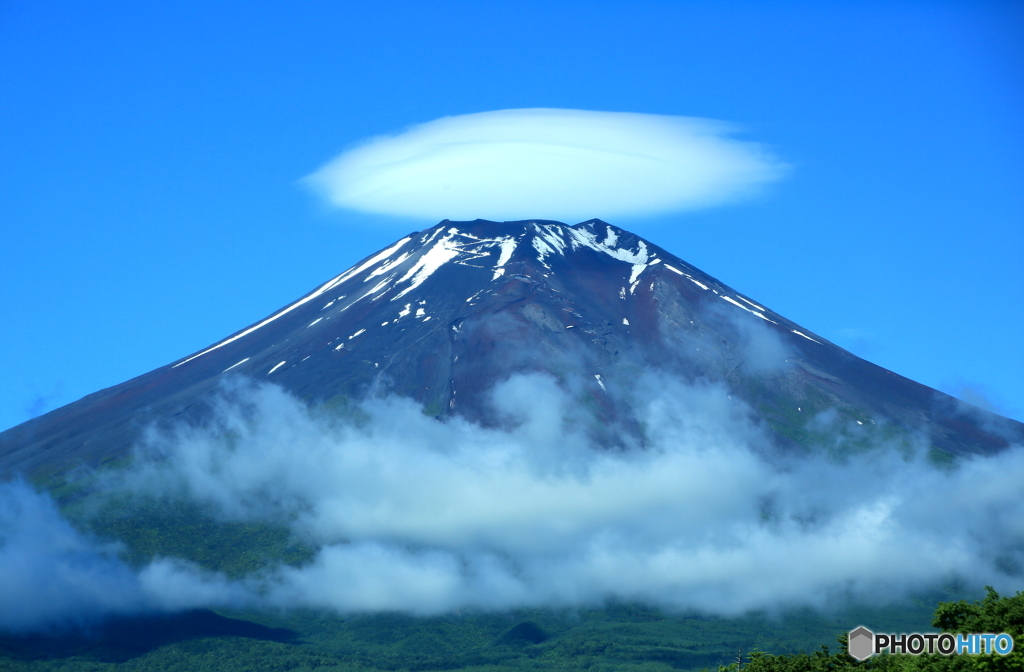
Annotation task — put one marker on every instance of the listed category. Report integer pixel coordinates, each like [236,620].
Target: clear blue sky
[150,158]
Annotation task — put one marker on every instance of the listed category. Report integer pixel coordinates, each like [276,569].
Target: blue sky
[151,158]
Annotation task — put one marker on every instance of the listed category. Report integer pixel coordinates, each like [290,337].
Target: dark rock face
[442,315]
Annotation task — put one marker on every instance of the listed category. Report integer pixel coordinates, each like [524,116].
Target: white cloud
[421,516]
[425,517]
[547,163]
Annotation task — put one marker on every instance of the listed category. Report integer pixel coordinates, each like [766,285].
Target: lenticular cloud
[550,163]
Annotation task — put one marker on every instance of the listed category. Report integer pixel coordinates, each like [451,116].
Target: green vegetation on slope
[615,637]
[151,527]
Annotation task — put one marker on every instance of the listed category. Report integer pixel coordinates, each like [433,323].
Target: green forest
[615,637]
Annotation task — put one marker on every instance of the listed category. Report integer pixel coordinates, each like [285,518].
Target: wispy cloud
[53,576]
[548,163]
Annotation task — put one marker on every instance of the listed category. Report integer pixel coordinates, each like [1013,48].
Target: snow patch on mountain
[800,333]
[508,246]
[235,364]
[751,303]
[740,305]
[326,287]
[547,241]
[434,258]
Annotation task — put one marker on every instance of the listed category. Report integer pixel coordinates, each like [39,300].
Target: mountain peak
[537,239]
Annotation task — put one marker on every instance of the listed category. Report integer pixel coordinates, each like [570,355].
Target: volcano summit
[442,315]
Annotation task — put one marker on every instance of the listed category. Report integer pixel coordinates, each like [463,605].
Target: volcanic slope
[442,315]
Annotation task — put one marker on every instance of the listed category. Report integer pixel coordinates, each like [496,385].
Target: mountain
[442,315]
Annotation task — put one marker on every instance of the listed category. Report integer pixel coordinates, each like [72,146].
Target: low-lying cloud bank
[551,163]
[425,517]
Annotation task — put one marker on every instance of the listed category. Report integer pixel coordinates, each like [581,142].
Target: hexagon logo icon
[861,643]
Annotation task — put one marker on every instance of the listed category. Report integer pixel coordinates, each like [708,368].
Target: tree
[993,614]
